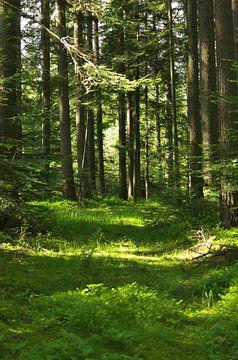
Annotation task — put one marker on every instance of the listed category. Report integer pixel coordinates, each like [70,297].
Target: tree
[208,82]
[173,93]
[99,118]
[10,79]
[227,117]
[46,83]
[64,115]
[194,119]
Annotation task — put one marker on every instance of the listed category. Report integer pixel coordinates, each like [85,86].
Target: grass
[109,280]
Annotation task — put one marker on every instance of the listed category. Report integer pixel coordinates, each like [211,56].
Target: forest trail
[112,283]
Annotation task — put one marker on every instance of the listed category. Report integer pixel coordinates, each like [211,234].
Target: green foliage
[112,285]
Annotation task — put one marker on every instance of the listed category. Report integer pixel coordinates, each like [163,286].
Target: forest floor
[111,280]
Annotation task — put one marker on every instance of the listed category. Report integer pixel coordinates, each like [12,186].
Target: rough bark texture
[208,84]
[64,116]
[10,89]
[228,142]
[194,118]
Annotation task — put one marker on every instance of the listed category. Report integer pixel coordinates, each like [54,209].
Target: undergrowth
[111,280]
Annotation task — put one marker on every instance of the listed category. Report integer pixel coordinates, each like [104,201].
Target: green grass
[109,280]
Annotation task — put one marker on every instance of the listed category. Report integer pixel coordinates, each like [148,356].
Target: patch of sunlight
[129,220]
[163,260]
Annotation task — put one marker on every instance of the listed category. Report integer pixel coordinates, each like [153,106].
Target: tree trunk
[169,141]
[195,131]
[235,25]
[46,83]
[64,116]
[176,176]
[10,77]
[99,119]
[227,89]
[136,172]
[146,145]
[208,84]
[122,146]
[80,107]
[131,120]
[90,116]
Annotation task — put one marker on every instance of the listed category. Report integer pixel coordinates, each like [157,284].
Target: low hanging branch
[91,74]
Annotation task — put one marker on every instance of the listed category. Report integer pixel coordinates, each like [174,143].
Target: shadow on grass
[46,310]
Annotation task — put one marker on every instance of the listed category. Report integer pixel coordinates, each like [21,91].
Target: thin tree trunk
[46,82]
[169,141]
[90,116]
[158,134]
[123,191]
[173,95]
[64,116]
[122,146]
[79,106]
[99,119]
[131,119]
[227,117]
[194,118]
[136,172]
[146,145]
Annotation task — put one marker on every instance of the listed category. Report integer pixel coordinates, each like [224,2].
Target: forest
[119,179]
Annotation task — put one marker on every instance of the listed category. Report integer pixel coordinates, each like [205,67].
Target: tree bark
[176,174]
[46,81]
[131,120]
[195,130]
[64,115]
[99,119]
[10,77]
[208,85]
[90,116]
[80,107]
[227,90]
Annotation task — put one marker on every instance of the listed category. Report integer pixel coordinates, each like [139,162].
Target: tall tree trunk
[147,175]
[80,107]
[10,89]
[136,171]
[173,95]
[208,84]
[235,25]
[46,83]
[169,140]
[122,146]
[90,116]
[158,134]
[194,118]
[131,120]
[123,192]
[227,89]
[99,119]
[64,116]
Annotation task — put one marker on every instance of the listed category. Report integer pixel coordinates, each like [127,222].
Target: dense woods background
[134,99]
